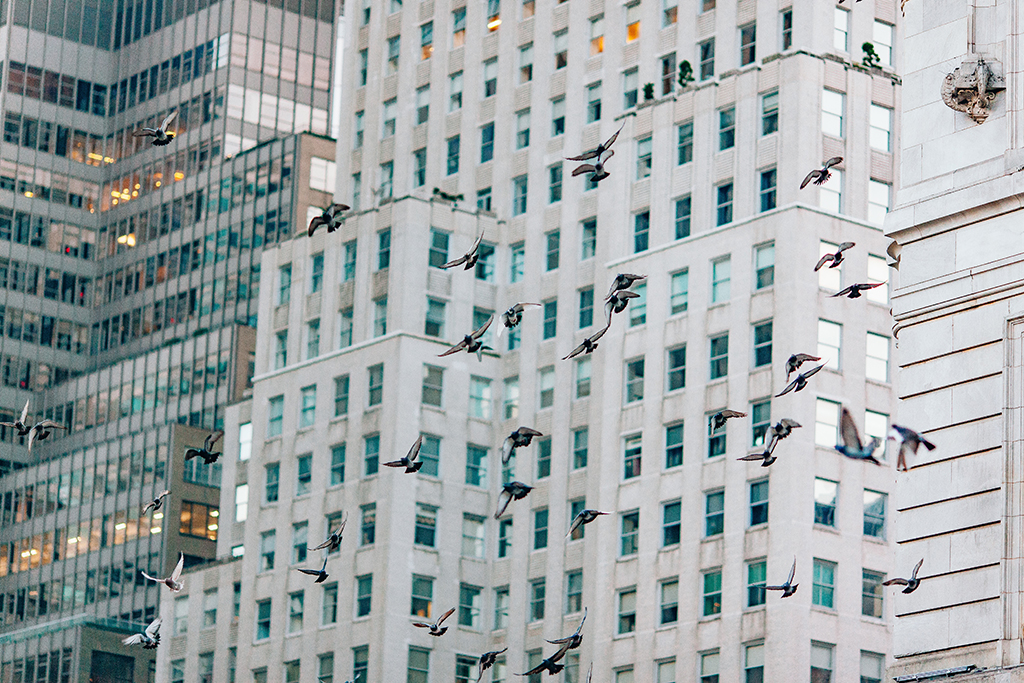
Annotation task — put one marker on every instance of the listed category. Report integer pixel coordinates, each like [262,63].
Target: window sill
[338,418]
[626,558]
[825,610]
[624,636]
[880,540]
[665,627]
[709,617]
[716,537]
[825,528]
[755,608]
[758,527]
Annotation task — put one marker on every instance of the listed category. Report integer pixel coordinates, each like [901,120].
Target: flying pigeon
[409,461]
[854,291]
[623,281]
[161,136]
[206,452]
[852,447]
[172,580]
[487,660]
[801,380]
[156,503]
[584,517]
[776,433]
[912,583]
[588,345]
[469,258]
[471,342]
[20,425]
[320,575]
[719,418]
[909,441]
[516,490]
[548,665]
[789,587]
[820,175]
[835,258]
[617,303]
[569,642]
[601,148]
[435,628]
[520,437]
[42,429]
[329,217]
[796,360]
[596,169]
[514,315]
[149,638]
[333,541]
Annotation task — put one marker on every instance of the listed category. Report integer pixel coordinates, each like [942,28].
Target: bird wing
[845,245]
[415,450]
[537,669]
[792,424]
[804,357]
[153,628]
[789,388]
[583,157]
[529,431]
[31,437]
[311,572]
[896,582]
[614,286]
[834,161]
[917,568]
[504,498]
[848,431]
[732,413]
[145,132]
[560,652]
[336,208]
[810,176]
[394,463]
[314,224]
[151,578]
[585,168]
[483,328]
[590,672]
[133,640]
[455,349]
[792,572]
[322,545]
[822,261]
[843,292]
[24,413]
[445,616]
[507,447]
[192,453]
[868,285]
[575,352]
[580,627]
[476,245]
[176,574]
[420,624]
[600,333]
[147,506]
[577,522]
[459,261]
[754,456]
[611,140]
[49,424]
[164,493]
[211,440]
[167,121]
[813,371]
[926,443]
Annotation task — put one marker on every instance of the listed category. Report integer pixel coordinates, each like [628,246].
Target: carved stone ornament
[973,86]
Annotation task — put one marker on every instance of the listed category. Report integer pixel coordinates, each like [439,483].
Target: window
[878,201]
[671,527]
[517,261]
[476,465]
[455,87]
[723,206]
[472,536]
[825,493]
[588,247]
[630,84]
[419,665]
[360,661]
[371,454]
[841,30]
[880,134]
[826,423]
[561,49]
[758,502]
[753,665]
[550,319]
[198,520]
[557,117]
[267,545]
[375,384]
[719,349]
[307,407]
[458,27]
[245,441]
[876,425]
[540,519]
[519,195]
[830,336]
[554,183]
[833,104]
[709,667]
[760,421]
[452,164]
[882,34]
[510,398]
[824,583]
[874,514]
[630,535]
[493,14]
[262,620]
[786,26]
[504,538]
[434,325]
[632,22]
[668,612]
[426,41]
[537,591]
[547,386]
[668,66]
[325,670]
[682,217]
[871,667]
[877,365]
[632,456]
[284,286]
[523,129]
[430,455]
[422,596]
[304,475]
[712,592]
[821,662]
[544,457]
[574,592]
[295,611]
[552,240]
[490,77]
[684,146]
[180,615]
[871,594]
[526,63]
[634,380]
[367,525]
[673,445]
[748,39]
[768,187]
[388,118]
[312,339]
[580,439]
[627,611]
[727,128]
[275,416]
[643,169]
[769,116]
[480,397]
[425,529]
[300,541]
[438,254]
[679,293]
[281,350]
[594,101]
[358,130]
[419,167]
[707,56]
[757,572]
[329,605]
[714,513]
[469,606]
[273,474]
[501,602]
[830,196]
[241,502]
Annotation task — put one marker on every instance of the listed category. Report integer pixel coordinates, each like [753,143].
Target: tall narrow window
[627,611]
[673,445]
[769,112]
[757,572]
[668,614]
[763,344]
[555,183]
[452,166]
[723,204]
[557,116]
[671,526]
[748,39]
[632,22]
[526,63]
[630,85]
[767,193]
[561,49]
[519,195]
[546,382]
[419,167]
[487,143]
[684,144]
[764,266]
[874,514]
[721,276]
[825,496]
[455,90]
[596,38]
[727,128]
[719,351]
[833,104]
[388,118]
[586,317]
[880,132]
[709,667]
[714,513]
[641,231]
[876,366]
[538,591]
[580,439]
[682,221]
[882,34]
[830,337]
[422,104]
[668,70]
[426,40]
[824,585]
[786,29]
[759,502]
[707,56]
[458,27]
[871,594]
[490,77]
[634,380]
[878,201]
[872,667]
[761,419]
[643,157]
[632,456]
[552,240]
[826,423]
[380,316]
[841,30]
[523,129]
[680,291]
[630,535]
[510,398]
[712,592]
[594,102]
[540,528]
[550,324]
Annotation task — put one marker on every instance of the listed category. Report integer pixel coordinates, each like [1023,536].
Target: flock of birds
[616,301]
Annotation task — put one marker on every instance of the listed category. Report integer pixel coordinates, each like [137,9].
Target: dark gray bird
[623,281]
[617,304]
[569,642]
[588,345]
[148,639]
[548,665]
[835,258]
[161,136]
[333,541]
[789,587]
[471,342]
[172,580]
[469,258]
[21,424]
[911,584]
[596,169]
[796,360]
[514,315]
[909,441]
[765,457]
[601,148]
[436,628]
[584,517]
[514,490]
[781,430]
[520,437]
[329,216]
[801,380]
[156,503]
[206,452]
[321,574]
[42,429]
[852,446]
[820,175]
[854,291]
[719,418]
[409,461]
[486,661]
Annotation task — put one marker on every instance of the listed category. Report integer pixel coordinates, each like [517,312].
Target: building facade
[476,103]
[958,311]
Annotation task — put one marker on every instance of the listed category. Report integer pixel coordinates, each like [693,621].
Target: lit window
[632,22]
[426,40]
[712,592]
[596,40]
[458,27]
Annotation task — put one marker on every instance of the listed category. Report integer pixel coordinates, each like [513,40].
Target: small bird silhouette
[148,639]
[333,541]
[789,587]
[617,304]
[520,437]
[161,136]
[776,433]
[584,517]
[156,503]
[588,345]
[836,258]
[486,661]
[206,452]
[21,424]
[854,291]
[911,584]
[600,149]
[435,628]
[801,380]
[172,580]
[514,490]
[852,446]
[329,216]
[41,430]
[719,418]
[796,360]
[469,258]
[623,281]
[909,441]
[471,342]
[320,575]
[409,461]
[820,175]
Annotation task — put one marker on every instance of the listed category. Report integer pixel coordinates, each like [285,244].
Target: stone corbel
[973,86]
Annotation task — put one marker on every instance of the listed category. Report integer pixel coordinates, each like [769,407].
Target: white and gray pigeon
[172,581]
[854,290]
[852,446]
[41,430]
[522,436]
[584,517]
[789,587]
[623,281]
[436,629]
[333,541]
[148,639]
[512,316]
[329,216]
[471,342]
[617,303]
[776,433]
[801,380]
[514,490]
[588,345]
[156,503]
[909,441]
[409,461]
[21,424]
[911,584]
[161,136]
[600,149]
[820,175]
[719,418]
[486,661]
[796,360]
[469,258]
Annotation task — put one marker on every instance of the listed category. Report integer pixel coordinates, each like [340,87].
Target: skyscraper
[129,278]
